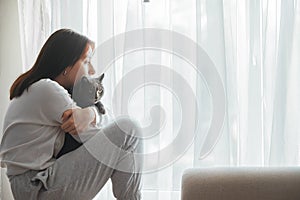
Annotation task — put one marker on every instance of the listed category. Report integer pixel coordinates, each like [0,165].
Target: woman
[39,114]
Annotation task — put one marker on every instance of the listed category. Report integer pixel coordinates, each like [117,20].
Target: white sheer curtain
[259,48]
[254,45]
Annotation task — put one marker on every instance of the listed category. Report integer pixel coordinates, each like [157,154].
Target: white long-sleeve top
[32,136]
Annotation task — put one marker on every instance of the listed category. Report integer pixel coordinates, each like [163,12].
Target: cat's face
[88,91]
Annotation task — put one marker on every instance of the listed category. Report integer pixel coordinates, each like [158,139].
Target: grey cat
[86,92]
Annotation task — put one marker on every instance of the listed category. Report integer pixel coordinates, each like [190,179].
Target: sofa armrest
[241,183]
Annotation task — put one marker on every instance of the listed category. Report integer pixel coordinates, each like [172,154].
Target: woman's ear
[63,78]
[67,70]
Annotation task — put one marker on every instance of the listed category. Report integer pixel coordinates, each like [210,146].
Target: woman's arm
[58,108]
[77,120]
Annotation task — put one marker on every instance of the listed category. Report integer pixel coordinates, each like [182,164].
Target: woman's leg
[82,173]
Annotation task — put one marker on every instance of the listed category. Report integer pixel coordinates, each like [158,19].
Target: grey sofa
[241,183]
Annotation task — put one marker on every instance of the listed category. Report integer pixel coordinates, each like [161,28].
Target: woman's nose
[91,70]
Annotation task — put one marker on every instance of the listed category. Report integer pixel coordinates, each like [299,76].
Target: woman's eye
[87,62]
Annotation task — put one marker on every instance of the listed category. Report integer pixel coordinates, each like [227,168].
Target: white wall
[10,67]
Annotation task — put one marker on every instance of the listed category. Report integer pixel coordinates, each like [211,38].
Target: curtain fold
[254,45]
[35,27]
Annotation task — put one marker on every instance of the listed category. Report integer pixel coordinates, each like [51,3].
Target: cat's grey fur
[88,92]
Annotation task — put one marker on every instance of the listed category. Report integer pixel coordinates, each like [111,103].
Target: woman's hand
[77,120]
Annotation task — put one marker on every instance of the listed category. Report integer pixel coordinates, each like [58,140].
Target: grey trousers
[80,174]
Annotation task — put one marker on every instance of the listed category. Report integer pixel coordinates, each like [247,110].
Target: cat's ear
[84,79]
[101,77]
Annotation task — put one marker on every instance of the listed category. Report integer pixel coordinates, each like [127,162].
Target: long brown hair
[62,49]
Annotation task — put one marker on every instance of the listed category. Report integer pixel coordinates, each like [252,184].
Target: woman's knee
[123,132]
[131,133]
[129,126]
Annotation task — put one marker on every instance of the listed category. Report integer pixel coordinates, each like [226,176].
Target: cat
[86,92]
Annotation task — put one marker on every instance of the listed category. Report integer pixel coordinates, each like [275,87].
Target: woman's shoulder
[48,85]
[47,90]
[46,82]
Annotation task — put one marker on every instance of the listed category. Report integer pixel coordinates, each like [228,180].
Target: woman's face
[83,66]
